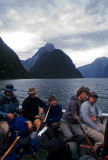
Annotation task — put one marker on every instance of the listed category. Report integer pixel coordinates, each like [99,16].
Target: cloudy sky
[78,27]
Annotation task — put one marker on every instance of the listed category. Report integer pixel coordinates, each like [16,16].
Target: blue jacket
[7,105]
[55,113]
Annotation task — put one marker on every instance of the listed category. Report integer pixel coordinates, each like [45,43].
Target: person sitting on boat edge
[89,115]
[68,123]
[55,114]
[9,104]
[31,109]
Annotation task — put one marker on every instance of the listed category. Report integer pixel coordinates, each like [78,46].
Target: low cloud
[70,25]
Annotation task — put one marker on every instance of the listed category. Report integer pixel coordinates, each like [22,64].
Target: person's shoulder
[37,98]
[26,99]
[74,99]
[47,106]
[40,100]
[58,105]
[85,104]
[14,97]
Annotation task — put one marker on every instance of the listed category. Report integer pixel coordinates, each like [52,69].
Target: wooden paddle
[10,148]
[47,114]
[45,127]
[85,135]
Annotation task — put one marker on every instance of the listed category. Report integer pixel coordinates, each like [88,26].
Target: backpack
[34,145]
[11,156]
[86,150]
[100,151]
[87,157]
[25,145]
[57,149]
[52,148]
[19,128]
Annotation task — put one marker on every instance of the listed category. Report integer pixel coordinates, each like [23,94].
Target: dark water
[63,89]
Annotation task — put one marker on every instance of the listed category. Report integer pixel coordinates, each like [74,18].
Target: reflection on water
[63,89]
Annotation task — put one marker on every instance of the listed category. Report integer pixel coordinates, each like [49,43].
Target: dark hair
[93,96]
[52,97]
[83,89]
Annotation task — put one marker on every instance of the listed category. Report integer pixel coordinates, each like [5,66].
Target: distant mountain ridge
[96,69]
[10,65]
[106,71]
[49,62]
[30,62]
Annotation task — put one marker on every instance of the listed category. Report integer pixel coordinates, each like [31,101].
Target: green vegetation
[10,65]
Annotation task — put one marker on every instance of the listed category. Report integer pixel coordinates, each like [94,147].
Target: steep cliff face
[106,72]
[31,61]
[10,65]
[55,64]
[96,69]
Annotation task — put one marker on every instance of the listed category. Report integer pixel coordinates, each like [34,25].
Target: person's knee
[101,139]
[69,139]
[37,123]
[80,137]
[70,136]
[5,126]
[30,125]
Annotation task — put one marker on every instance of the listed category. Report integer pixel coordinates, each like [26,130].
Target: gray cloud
[81,41]
[68,24]
[24,3]
[12,11]
[97,7]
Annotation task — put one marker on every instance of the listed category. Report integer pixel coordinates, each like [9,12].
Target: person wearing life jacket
[8,106]
[31,111]
[68,124]
[89,116]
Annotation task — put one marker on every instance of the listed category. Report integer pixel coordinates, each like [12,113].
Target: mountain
[96,69]
[106,72]
[31,61]
[49,62]
[10,65]
[27,63]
